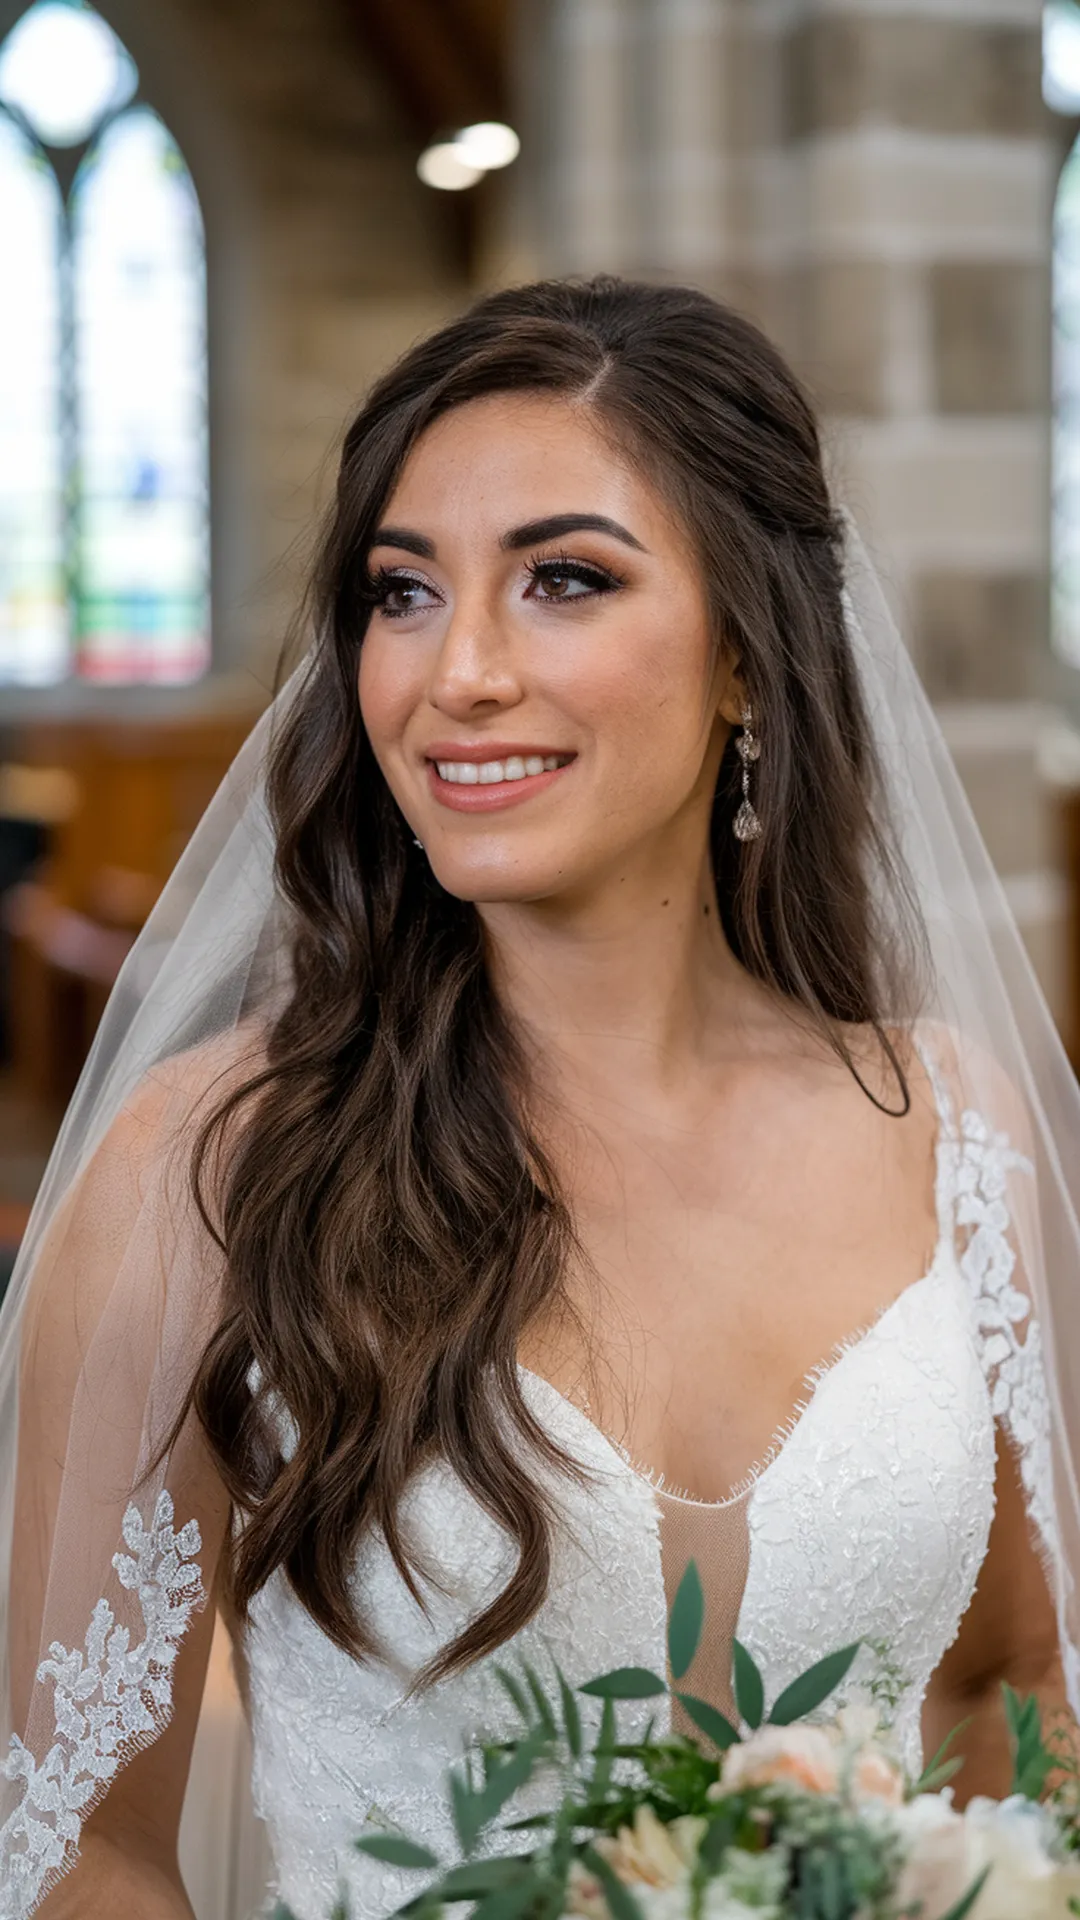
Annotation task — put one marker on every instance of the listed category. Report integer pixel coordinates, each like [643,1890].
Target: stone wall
[873,181]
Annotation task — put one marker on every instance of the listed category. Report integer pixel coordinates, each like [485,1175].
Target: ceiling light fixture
[460,159]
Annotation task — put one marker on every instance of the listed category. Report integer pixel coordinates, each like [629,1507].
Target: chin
[487,883]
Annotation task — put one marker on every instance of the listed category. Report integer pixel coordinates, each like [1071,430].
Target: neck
[633,977]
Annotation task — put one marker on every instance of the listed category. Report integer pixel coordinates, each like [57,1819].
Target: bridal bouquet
[770,1819]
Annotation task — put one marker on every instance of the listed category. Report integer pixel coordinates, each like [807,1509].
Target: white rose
[939,1867]
[947,1851]
[1013,1838]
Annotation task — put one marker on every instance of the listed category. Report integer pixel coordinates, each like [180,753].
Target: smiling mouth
[484,786]
[492,773]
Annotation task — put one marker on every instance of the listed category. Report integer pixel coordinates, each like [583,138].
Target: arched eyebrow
[532,534]
[417,543]
[535,532]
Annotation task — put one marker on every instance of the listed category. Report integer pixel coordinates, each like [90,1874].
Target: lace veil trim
[111,1698]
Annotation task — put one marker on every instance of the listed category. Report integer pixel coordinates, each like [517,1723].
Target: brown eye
[565,580]
[395,595]
[556,583]
[401,597]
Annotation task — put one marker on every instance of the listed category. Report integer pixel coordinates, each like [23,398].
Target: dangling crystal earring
[747,825]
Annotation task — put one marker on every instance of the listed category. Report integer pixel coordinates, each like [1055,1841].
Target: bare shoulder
[185,1088]
[146,1146]
[889,1069]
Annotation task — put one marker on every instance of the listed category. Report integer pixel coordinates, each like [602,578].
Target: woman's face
[538,680]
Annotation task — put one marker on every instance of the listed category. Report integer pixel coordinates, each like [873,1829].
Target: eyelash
[586,573]
[382,582]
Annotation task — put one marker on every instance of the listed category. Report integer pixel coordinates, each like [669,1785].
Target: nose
[474,671]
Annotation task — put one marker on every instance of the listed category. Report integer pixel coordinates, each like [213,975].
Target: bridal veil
[110,1549]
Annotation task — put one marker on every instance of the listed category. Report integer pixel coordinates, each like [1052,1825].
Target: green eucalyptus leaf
[709,1721]
[571,1716]
[505,1903]
[1032,1760]
[832,1890]
[544,1712]
[603,1753]
[939,1770]
[685,1621]
[394,1850]
[621,1902]
[749,1687]
[477,1878]
[967,1900]
[625,1683]
[812,1687]
[934,1778]
[717,1838]
[463,1807]
[502,1781]
[515,1690]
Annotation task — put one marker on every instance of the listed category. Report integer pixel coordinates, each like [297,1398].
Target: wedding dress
[869,1520]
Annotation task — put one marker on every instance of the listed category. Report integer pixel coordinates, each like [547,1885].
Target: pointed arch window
[104,498]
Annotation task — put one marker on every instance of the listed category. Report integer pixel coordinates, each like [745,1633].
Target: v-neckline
[841,1355]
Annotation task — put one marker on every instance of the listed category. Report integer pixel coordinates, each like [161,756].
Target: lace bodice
[869,1519]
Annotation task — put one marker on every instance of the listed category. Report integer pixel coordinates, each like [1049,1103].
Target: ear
[731,692]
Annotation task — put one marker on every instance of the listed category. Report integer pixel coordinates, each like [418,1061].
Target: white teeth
[486,773]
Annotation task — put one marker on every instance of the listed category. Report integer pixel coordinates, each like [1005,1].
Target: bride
[581,1102]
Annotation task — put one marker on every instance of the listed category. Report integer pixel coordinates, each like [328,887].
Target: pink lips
[502,793]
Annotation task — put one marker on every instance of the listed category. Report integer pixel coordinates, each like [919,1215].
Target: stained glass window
[33,612]
[104,539]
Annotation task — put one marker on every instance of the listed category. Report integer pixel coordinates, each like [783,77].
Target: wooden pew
[137,791]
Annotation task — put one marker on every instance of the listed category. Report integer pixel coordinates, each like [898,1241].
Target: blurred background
[219,219]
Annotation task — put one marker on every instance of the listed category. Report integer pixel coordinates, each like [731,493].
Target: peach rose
[875,1775]
[805,1757]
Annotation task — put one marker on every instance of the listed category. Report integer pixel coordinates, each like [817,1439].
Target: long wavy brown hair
[390,1223]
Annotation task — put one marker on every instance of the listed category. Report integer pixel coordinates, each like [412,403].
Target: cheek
[656,682]
[387,690]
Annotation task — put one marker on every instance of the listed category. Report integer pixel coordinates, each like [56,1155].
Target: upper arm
[1009,1633]
[1012,1630]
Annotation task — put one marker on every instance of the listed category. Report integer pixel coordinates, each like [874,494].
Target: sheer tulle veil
[105,1572]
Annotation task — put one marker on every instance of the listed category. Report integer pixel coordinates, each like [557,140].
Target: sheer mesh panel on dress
[716,1535]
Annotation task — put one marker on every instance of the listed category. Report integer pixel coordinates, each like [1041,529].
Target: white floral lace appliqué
[110,1699]
[981,1162]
